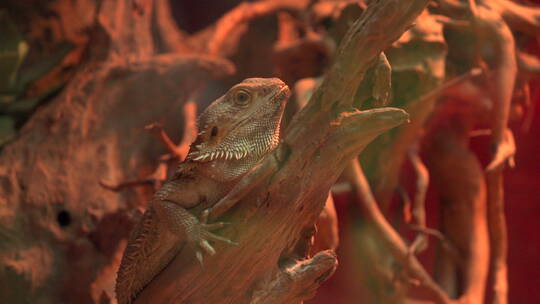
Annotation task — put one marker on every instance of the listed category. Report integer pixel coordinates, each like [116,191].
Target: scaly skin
[237,131]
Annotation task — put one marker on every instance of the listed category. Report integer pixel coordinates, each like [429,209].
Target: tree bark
[61,233]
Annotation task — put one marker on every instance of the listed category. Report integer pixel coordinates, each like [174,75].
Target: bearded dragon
[236,131]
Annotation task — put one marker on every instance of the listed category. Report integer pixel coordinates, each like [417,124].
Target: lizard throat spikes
[262,145]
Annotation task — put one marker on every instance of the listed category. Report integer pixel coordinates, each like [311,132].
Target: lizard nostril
[214,132]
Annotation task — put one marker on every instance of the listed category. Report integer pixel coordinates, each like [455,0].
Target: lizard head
[242,123]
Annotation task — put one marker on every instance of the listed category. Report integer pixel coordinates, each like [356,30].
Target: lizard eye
[242,97]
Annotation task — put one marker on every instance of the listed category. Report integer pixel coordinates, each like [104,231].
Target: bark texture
[61,232]
[77,170]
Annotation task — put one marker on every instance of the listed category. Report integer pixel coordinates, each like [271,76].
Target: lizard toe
[216,237]
[199,256]
[215,226]
[207,247]
[204,216]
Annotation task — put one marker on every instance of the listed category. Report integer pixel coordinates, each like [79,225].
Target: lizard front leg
[181,222]
[251,179]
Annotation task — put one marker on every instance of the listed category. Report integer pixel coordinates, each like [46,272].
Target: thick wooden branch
[242,14]
[51,204]
[497,221]
[528,65]
[269,221]
[519,17]
[498,237]
[501,86]
[127,25]
[502,77]
[381,24]
[297,283]
[168,37]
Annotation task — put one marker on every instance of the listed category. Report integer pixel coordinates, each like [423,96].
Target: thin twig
[419,202]
[498,236]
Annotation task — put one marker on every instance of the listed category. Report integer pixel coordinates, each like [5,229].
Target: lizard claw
[220,238]
[201,236]
[207,247]
[199,257]
[215,226]
[204,216]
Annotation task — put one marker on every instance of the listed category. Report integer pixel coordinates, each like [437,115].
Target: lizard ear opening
[214,132]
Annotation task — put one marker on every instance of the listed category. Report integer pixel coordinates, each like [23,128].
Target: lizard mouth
[283,94]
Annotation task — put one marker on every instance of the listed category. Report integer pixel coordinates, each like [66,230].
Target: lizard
[236,131]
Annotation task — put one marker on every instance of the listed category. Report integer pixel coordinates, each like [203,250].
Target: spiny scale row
[222,154]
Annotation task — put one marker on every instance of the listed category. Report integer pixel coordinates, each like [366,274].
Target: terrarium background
[521,191]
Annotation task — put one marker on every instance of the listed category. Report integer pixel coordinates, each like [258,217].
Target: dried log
[297,282]
[491,22]
[61,232]
[70,145]
[127,27]
[326,234]
[496,219]
[54,31]
[168,37]
[270,220]
[458,176]
[518,16]
[503,76]
[498,237]
[243,14]
[528,65]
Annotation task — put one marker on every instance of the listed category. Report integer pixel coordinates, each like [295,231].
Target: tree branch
[242,14]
